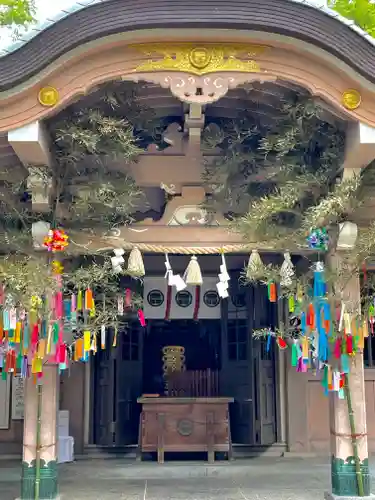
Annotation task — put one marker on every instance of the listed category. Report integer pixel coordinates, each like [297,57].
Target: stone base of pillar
[48,481]
[331,496]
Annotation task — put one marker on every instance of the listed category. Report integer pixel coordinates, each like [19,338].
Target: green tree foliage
[16,13]
[362,12]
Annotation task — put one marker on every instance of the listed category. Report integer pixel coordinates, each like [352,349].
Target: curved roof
[87,20]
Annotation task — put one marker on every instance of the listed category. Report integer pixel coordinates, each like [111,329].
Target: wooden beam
[31,144]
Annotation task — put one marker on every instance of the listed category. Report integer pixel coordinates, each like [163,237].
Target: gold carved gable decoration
[200,59]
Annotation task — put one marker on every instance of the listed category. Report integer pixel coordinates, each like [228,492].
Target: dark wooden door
[265,316]
[104,382]
[264,381]
[128,384]
[118,384]
[237,354]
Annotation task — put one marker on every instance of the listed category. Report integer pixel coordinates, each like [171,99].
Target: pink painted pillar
[48,485]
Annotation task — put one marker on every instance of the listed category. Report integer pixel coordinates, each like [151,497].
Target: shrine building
[194,65]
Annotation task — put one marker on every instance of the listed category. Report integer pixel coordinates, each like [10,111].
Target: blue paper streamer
[268,342]
[345,365]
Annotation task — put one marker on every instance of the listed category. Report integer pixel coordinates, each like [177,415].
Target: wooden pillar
[49,396]
[343,464]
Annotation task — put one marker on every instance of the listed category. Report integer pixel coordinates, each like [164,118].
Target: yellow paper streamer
[36,365]
[17,335]
[42,348]
[305,347]
[93,310]
[365,328]
[115,338]
[79,301]
[86,340]
[361,338]
[329,378]
[347,324]
[49,339]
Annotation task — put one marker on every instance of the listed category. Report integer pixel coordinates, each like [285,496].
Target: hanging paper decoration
[117,260]
[272,291]
[193,274]
[135,263]
[141,318]
[173,279]
[56,241]
[287,271]
[255,267]
[318,239]
[223,285]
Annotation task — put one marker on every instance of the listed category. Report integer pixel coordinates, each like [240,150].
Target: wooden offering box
[185,425]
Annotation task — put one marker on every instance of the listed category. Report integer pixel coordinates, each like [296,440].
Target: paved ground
[255,479]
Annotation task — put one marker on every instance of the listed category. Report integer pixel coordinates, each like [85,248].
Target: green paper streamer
[294,355]
[325,378]
[19,361]
[55,333]
[291,303]
[4,374]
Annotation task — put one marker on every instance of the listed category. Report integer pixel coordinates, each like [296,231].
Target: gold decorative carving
[200,90]
[351,99]
[48,96]
[200,59]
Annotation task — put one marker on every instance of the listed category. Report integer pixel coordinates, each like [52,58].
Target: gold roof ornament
[351,99]
[48,96]
[200,59]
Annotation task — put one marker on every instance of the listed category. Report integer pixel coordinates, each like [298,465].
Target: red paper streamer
[349,344]
[141,318]
[62,353]
[337,350]
[197,302]
[128,297]
[168,304]
[35,335]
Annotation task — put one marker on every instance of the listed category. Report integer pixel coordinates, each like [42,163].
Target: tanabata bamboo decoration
[31,337]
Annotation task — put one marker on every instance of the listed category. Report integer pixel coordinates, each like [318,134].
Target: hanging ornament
[57,267]
[287,271]
[173,279]
[56,241]
[136,266]
[318,239]
[319,280]
[193,274]
[223,285]
[118,260]
[281,343]
[255,267]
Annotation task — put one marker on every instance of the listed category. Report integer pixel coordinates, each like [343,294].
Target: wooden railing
[194,384]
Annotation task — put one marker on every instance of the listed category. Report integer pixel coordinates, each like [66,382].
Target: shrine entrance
[221,358]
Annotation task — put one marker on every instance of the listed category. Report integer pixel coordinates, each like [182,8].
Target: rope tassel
[136,266]
[255,267]
[193,274]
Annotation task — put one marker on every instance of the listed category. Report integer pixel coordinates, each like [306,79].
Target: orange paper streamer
[42,347]
[272,292]
[78,353]
[88,300]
